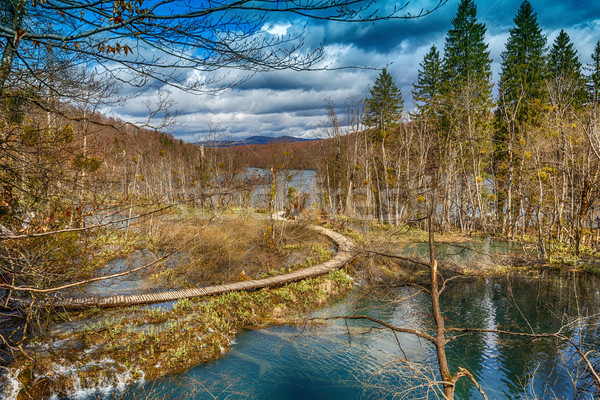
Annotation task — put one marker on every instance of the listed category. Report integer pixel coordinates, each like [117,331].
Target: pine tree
[562,59]
[565,72]
[427,91]
[384,105]
[467,103]
[567,95]
[383,111]
[594,78]
[522,94]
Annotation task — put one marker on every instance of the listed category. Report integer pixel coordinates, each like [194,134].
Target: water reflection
[139,282]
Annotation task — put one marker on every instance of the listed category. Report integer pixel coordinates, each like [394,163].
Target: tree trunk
[440,336]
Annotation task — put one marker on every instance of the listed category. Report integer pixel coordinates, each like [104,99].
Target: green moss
[182,305]
[339,277]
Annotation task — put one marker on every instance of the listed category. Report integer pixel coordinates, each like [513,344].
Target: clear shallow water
[139,282]
[332,361]
[473,254]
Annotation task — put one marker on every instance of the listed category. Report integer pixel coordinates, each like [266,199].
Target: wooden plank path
[344,255]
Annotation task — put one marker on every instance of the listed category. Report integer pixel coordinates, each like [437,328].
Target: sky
[290,103]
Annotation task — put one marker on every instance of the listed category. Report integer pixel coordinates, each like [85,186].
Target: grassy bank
[381,244]
[233,248]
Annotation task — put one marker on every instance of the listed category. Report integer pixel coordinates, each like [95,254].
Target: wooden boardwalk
[345,254]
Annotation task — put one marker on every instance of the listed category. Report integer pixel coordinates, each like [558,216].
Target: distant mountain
[253,140]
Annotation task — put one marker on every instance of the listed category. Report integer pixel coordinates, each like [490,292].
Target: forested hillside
[59,164]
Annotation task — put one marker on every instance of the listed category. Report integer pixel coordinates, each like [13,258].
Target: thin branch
[101,278]
[464,372]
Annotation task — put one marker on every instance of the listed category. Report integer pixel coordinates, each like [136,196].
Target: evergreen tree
[564,72]
[562,59]
[383,111]
[567,94]
[466,67]
[522,93]
[466,104]
[594,78]
[523,62]
[427,91]
[384,105]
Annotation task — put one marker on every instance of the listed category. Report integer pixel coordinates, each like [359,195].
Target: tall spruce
[567,95]
[384,104]
[384,110]
[427,97]
[563,59]
[522,87]
[467,104]
[427,91]
[522,93]
[466,67]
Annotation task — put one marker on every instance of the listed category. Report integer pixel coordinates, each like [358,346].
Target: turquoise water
[358,361]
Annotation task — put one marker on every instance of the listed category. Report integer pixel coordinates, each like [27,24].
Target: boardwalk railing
[344,255]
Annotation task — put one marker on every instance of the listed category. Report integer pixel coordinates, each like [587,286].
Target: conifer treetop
[384,104]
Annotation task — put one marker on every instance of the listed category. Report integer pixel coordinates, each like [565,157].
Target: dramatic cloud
[292,103]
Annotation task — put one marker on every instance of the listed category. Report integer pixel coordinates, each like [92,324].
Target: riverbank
[393,247]
[85,357]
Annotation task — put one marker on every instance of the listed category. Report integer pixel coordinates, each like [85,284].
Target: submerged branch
[391,327]
[397,257]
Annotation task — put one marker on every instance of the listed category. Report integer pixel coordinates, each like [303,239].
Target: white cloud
[277,29]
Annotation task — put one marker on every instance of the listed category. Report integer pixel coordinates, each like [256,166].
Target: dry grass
[232,249]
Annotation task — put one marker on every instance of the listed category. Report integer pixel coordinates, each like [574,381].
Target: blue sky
[292,103]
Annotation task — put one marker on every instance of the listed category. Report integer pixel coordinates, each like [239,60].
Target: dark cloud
[290,80]
[386,36]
